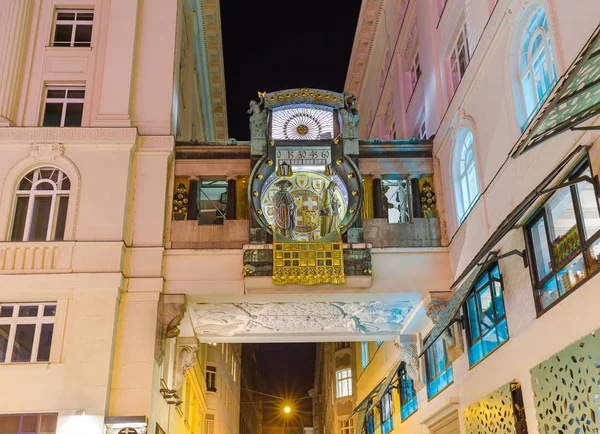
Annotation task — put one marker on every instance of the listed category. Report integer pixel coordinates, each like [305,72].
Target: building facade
[223,376]
[251,388]
[507,91]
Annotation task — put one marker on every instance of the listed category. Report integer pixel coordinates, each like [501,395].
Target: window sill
[55,48]
[31,365]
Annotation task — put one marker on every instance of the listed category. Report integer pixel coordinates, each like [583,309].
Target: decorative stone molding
[67,135]
[35,256]
[46,151]
[184,360]
[126,425]
[174,311]
[156,143]
[409,354]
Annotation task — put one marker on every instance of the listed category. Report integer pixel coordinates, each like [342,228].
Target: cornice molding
[12,135]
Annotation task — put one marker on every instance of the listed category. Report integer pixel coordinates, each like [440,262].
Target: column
[193,199]
[378,197]
[230,198]
[415,196]
[367,204]
[13,43]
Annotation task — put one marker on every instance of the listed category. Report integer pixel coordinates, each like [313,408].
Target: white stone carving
[231,319]
[185,360]
[46,151]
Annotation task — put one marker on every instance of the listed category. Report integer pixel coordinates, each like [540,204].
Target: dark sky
[273,45]
[288,372]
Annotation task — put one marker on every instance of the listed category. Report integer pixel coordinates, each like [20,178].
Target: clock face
[302,123]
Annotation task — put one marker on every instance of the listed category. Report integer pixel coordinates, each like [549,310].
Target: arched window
[41,205]
[536,67]
[465,172]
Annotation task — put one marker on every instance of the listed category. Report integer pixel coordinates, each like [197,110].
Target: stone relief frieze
[230,319]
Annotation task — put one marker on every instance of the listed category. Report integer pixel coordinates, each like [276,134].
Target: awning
[475,267]
[385,385]
[574,99]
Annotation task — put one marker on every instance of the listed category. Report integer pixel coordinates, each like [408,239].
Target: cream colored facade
[116,361]
[224,402]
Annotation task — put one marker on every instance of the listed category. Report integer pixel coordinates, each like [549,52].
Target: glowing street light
[286,409]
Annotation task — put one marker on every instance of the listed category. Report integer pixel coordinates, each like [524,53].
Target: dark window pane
[85,16]
[40,219]
[562,226]
[46,186]
[29,424]
[70,16]
[56,93]
[6,311]
[50,310]
[23,343]
[540,247]
[20,216]
[549,293]
[73,116]
[48,423]
[28,311]
[4,332]
[472,316]
[66,183]
[9,424]
[76,93]
[52,114]
[61,218]
[25,184]
[62,35]
[45,341]
[83,35]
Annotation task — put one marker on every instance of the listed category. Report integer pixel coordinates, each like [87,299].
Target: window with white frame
[537,74]
[73,28]
[415,72]
[343,379]
[347,426]
[459,57]
[41,205]
[63,106]
[465,173]
[364,354]
[211,378]
[26,332]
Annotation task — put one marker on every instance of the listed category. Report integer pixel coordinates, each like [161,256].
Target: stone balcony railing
[187,234]
[35,256]
[421,232]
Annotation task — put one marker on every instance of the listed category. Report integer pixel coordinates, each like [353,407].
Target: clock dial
[302,123]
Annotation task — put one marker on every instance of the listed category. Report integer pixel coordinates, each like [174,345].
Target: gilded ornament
[338,162]
[354,192]
[259,176]
[302,129]
[350,175]
[259,212]
[270,162]
[272,143]
[255,193]
[352,211]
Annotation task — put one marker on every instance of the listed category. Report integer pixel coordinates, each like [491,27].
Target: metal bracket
[589,128]
[568,184]
[495,257]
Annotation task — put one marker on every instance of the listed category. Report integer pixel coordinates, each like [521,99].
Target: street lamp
[286,409]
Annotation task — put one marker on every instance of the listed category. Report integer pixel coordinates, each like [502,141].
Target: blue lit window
[537,75]
[386,410]
[370,425]
[379,343]
[439,368]
[408,394]
[486,315]
[364,354]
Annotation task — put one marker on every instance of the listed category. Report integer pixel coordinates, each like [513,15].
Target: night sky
[273,45]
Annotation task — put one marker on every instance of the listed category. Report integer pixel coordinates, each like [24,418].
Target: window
[41,206]
[396,198]
[563,240]
[64,107]
[439,368]
[343,379]
[370,425]
[28,423]
[459,58]
[341,345]
[486,317]
[26,332]
[408,394]
[73,28]
[415,72]
[211,378]
[465,176]
[386,410]
[347,427]
[209,424]
[212,202]
[364,353]
[536,67]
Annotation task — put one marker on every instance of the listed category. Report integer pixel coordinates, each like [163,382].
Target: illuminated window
[28,423]
[26,332]
[41,205]
[343,379]
[459,58]
[408,394]
[536,67]
[487,327]
[63,106]
[386,410]
[212,202]
[563,240]
[347,426]
[302,122]
[438,368]
[396,198]
[364,352]
[465,173]
[73,28]
[211,378]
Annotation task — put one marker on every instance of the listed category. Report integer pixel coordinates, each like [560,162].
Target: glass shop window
[487,328]
[212,202]
[63,106]
[563,240]
[439,368]
[386,411]
[28,423]
[408,394]
[26,332]
[73,28]
[396,200]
